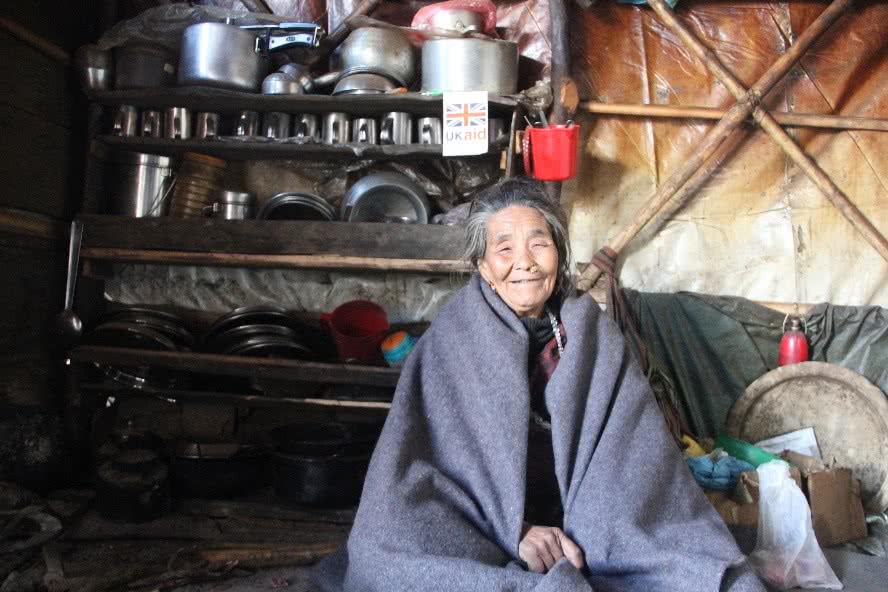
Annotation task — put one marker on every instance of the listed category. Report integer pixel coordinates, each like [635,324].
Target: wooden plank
[430,242]
[273,261]
[270,368]
[263,149]
[252,400]
[28,224]
[36,163]
[226,101]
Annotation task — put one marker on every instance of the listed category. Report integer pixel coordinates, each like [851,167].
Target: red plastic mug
[550,153]
[358,327]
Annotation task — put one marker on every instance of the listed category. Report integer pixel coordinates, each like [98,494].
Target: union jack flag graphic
[466,115]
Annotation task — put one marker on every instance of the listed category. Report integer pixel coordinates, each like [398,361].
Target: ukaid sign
[465,123]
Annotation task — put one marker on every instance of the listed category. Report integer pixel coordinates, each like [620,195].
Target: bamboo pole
[815,120]
[694,165]
[820,179]
[41,44]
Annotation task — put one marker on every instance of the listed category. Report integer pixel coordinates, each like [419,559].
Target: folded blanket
[443,501]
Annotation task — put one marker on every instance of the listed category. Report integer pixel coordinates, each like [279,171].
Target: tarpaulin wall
[759,228]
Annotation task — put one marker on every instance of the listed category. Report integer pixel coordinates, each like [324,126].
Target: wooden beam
[700,165]
[41,44]
[276,237]
[269,368]
[820,179]
[30,224]
[814,120]
[273,261]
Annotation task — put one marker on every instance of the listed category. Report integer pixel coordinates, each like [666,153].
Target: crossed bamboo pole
[701,164]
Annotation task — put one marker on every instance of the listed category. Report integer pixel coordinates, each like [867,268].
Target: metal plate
[848,413]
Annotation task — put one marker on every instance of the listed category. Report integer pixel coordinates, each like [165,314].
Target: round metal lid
[848,413]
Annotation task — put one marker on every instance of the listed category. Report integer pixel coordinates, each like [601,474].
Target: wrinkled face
[521,260]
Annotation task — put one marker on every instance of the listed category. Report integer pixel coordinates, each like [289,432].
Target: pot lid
[848,413]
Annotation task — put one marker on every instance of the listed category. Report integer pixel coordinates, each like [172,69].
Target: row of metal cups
[396,127]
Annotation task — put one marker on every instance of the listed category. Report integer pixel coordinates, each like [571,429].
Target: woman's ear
[484,270]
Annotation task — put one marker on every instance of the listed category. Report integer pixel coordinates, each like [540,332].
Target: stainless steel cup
[234,205]
[428,130]
[152,124]
[306,126]
[336,128]
[126,121]
[364,130]
[396,128]
[247,124]
[177,123]
[276,125]
[207,125]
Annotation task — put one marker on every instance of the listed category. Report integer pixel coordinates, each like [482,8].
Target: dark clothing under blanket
[443,502]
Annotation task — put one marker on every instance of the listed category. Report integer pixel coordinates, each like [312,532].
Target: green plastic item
[744,450]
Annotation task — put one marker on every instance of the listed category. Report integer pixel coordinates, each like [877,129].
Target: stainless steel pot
[141,185]
[379,51]
[279,83]
[459,20]
[306,126]
[177,123]
[143,65]
[126,121]
[363,84]
[207,126]
[227,56]
[152,124]
[95,67]
[428,130]
[462,64]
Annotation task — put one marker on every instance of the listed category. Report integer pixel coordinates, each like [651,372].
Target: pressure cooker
[224,55]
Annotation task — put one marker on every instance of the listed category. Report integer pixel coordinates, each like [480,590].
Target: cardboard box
[833,496]
[836,509]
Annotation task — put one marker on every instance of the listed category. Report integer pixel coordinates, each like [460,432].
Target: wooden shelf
[268,368]
[251,400]
[226,101]
[428,248]
[265,149]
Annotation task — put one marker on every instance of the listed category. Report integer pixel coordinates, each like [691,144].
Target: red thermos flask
[794,345]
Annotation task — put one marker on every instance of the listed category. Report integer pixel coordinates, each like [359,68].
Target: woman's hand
[542,546]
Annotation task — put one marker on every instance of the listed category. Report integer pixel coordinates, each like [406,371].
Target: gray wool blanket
[443,502]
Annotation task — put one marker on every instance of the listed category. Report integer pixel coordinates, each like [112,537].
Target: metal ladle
[68,324]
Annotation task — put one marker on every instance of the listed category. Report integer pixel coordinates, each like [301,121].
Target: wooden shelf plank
[262,149]
[250,400]
[269,368]
[226,101]
[275,243]
[272,261]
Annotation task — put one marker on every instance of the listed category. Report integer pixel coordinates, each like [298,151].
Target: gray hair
[519,191]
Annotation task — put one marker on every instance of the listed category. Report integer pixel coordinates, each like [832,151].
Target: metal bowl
[386,197]
[279,83]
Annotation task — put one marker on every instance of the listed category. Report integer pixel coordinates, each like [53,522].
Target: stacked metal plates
[296,206]
[267,331]
[141,328]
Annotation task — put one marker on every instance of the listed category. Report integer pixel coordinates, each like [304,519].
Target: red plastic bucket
[550,153]
[358,327]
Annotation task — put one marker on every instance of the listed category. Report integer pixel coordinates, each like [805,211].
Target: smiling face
[521,260]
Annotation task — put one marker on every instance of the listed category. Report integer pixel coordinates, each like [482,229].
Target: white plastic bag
[786,552]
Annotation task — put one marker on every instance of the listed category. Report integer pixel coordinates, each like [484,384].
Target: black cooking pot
[218,471]
[322,464]
[132,486]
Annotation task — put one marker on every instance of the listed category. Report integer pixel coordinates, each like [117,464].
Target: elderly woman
[524,450]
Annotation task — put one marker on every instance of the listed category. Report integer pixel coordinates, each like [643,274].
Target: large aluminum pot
[379,51]
[470,64]
[141,185]
[143,65]
[221,56]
